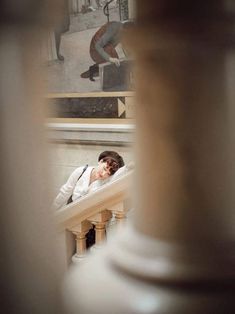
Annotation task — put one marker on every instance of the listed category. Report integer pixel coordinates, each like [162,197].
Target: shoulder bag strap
[84,169]
[70,198]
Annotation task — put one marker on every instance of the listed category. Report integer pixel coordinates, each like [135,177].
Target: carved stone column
[80,238]
[100,220]
[99,233]
[179,255]
[119,212]
[120,218]
[80,232]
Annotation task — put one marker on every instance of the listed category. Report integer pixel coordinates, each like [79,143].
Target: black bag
[70,200]
[90,237]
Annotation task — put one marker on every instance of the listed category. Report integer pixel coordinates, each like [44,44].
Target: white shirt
[81,187]
[75,187]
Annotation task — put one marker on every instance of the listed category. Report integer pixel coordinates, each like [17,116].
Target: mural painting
[85,53]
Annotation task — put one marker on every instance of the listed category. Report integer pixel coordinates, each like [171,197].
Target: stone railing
[105,208]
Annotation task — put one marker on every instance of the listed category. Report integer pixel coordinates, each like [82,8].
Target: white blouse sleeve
[67,189]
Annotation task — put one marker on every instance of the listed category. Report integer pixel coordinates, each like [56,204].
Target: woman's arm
[67,189]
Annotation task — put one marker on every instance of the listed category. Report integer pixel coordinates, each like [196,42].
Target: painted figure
[103,44]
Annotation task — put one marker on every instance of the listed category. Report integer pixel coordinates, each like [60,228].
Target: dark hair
[114,155]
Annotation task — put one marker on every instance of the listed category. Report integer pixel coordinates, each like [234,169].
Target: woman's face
[102,171]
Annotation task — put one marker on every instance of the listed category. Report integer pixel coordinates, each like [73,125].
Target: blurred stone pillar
[185,151]
[179,255]
[29,268]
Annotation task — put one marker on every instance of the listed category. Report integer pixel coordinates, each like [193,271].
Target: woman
[85,179]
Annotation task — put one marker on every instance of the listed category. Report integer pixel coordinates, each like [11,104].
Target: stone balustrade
[104,209]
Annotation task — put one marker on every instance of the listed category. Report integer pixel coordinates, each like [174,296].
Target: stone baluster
[80,238]
[119,216]
[100,233]
[80,232]
[100,220]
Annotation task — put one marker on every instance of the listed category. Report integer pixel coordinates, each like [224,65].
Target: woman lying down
[88,178]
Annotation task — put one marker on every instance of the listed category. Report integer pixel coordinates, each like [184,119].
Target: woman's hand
[116,61]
